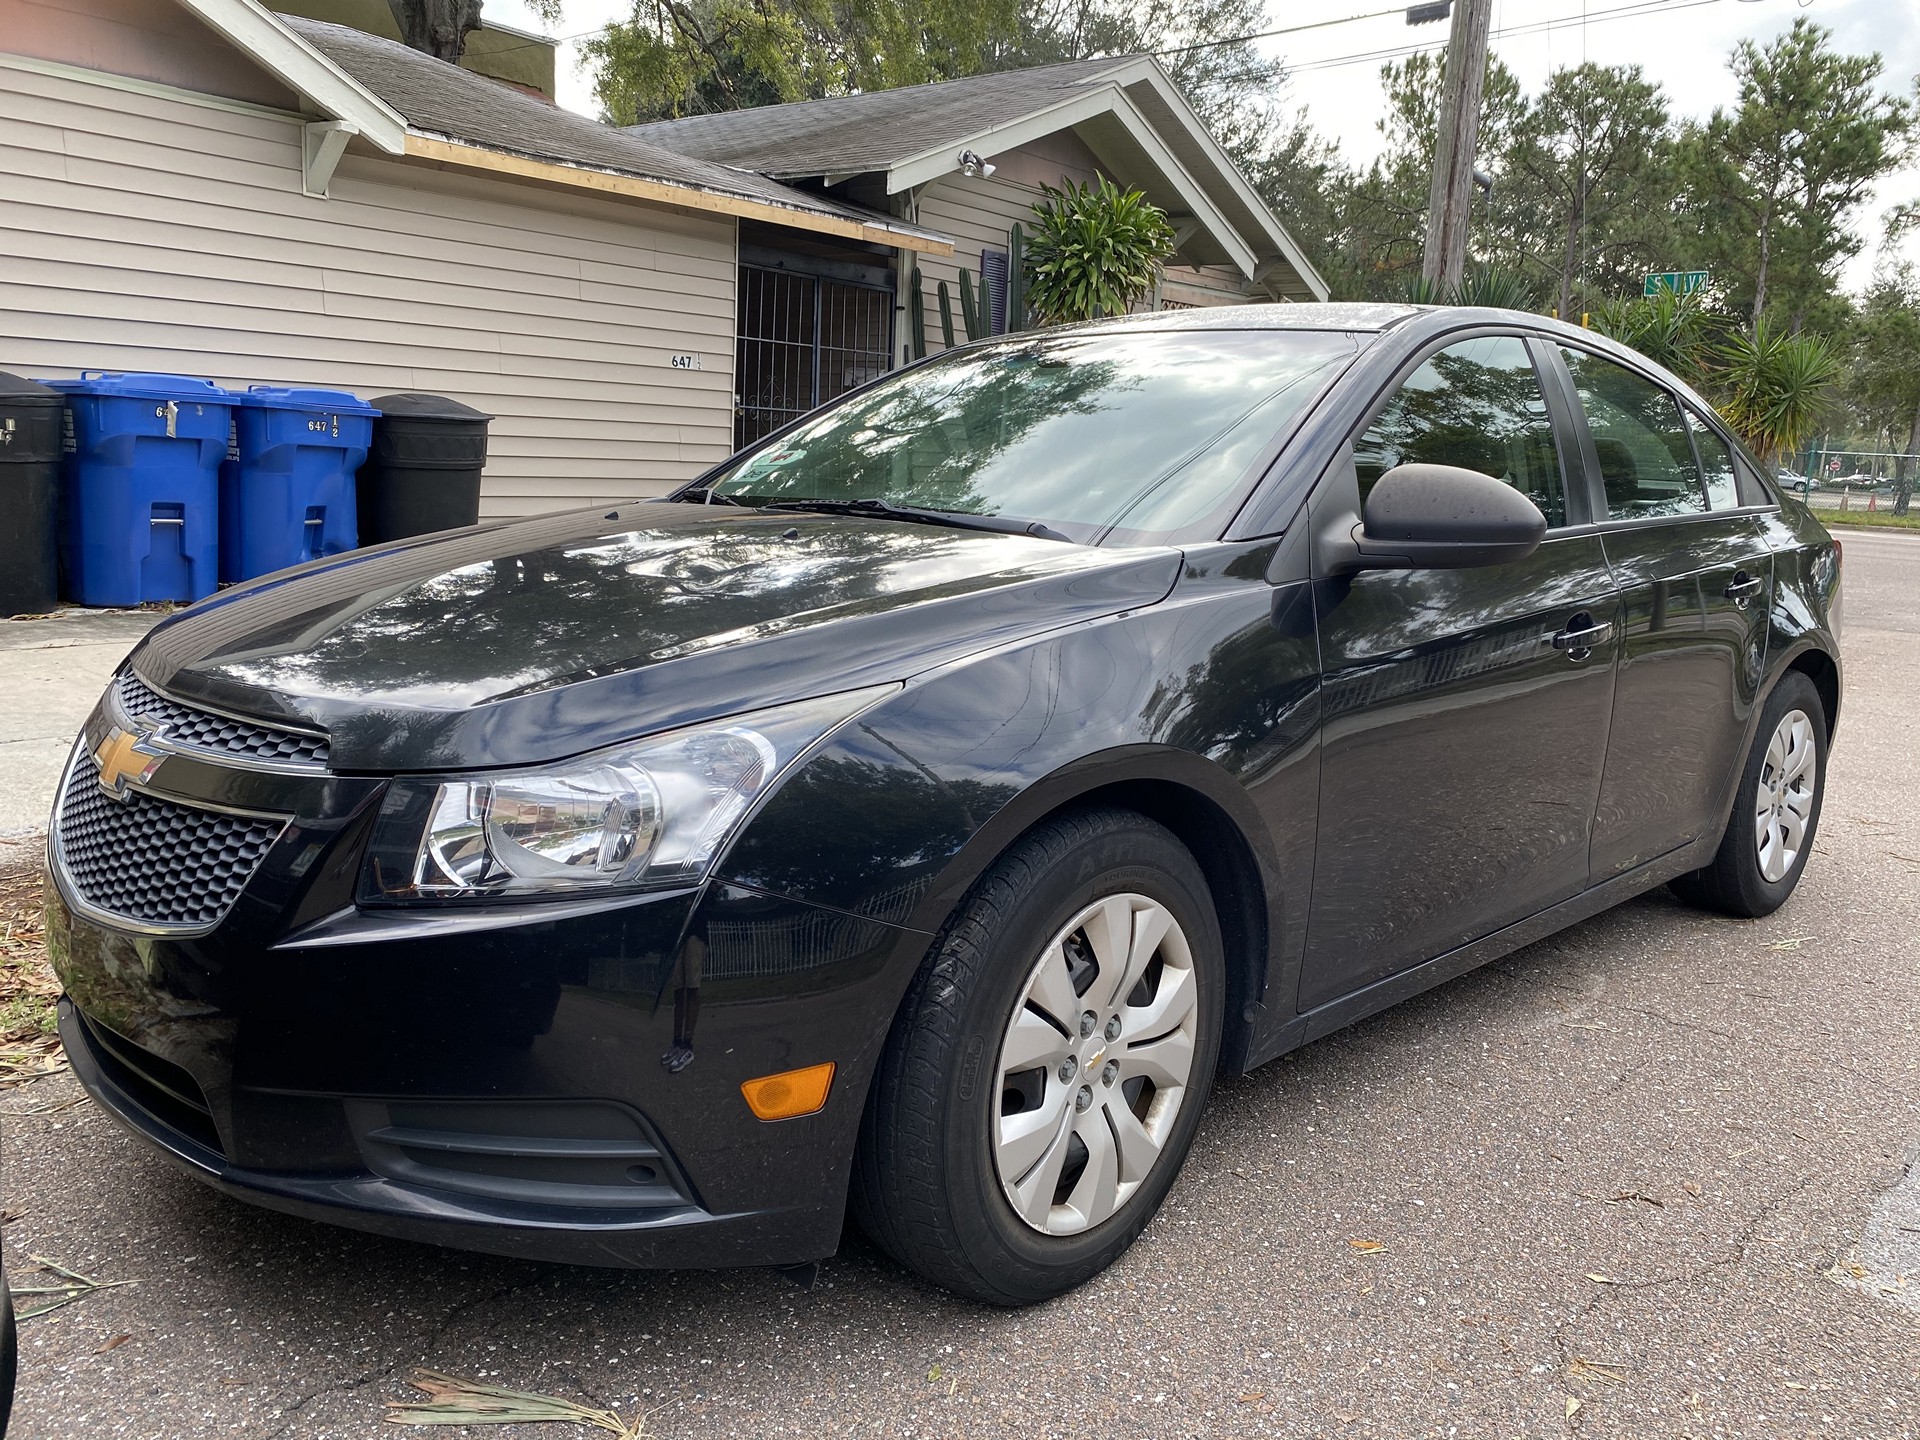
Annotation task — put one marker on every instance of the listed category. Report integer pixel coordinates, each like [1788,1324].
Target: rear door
[1465,710]
[1695,576]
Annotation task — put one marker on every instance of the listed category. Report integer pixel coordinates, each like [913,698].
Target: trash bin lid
[144,385]
[17,392]
[412,406]
[285,397]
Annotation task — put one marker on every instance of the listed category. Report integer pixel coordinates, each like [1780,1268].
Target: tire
[943,1119]
[1738,882]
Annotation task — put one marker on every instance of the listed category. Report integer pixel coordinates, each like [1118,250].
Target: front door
[1695,575]
[1463,732]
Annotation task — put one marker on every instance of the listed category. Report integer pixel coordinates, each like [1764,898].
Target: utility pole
[1450,200]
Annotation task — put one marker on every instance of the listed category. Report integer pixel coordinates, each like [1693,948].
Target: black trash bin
[31,417]
[422,472]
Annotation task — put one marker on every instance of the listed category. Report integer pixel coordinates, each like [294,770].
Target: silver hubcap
[1094,1065]
[1784,799]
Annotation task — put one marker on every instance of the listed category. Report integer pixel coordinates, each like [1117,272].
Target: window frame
[1574,491]
[1692,410]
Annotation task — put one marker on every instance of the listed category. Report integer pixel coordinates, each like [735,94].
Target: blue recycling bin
[140,487]
[287,487]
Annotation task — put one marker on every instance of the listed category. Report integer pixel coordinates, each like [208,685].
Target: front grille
[152,861]
[202,730]
[158,1086]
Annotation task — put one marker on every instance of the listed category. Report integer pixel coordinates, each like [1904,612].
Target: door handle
[1743,587]
[1581,635]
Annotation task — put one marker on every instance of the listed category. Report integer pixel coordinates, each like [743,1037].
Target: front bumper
[552,1081]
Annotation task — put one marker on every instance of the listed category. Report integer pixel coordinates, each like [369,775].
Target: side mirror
[1443,517]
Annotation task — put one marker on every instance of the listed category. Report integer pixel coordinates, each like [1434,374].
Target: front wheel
[1775,813]
[1049,1066]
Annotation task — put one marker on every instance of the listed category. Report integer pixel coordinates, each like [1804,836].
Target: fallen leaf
[1573,1406]
[1796,1385]
[1253,1395]
[1601,1279]
[1367,1247]
[114,1344]
[1692,1187]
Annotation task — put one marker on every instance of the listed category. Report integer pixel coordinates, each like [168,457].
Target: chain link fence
[1847,480]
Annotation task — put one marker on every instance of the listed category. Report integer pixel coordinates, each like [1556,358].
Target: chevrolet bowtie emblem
[125,760]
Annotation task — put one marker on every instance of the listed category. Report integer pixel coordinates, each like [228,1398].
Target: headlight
[649,814]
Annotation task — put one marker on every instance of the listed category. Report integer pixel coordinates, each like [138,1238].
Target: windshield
[1144,435]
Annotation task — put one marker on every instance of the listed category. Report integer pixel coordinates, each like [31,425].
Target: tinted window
[1716,466]
[1476,404]
[1150,431]
[1646,457]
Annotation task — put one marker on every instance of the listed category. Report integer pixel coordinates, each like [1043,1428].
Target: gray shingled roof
[853,134]
[444,100]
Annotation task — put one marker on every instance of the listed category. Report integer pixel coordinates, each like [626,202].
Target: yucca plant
[1483,284]
[1493,286]
[1668,328]
[1774,388]
[1094,250]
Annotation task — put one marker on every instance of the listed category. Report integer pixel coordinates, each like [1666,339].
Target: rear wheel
[1775,813]
[1045,1077]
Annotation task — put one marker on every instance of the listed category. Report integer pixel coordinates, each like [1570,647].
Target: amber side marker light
[790,1094]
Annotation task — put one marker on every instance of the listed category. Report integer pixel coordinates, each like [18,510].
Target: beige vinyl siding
[1204,285]
[146,231]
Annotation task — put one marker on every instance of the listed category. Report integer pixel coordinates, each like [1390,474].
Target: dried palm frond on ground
[29,1041]
[52,1286]
[469,1402]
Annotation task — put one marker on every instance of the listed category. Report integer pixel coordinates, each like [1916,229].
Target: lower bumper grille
[160,1087]
[575,1153]
[153,862]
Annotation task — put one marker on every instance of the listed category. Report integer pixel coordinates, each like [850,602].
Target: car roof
[1303,316]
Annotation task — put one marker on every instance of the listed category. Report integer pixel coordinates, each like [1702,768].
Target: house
[206,187]
[967,159]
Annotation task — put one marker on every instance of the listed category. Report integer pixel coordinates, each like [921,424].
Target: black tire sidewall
[1142,858]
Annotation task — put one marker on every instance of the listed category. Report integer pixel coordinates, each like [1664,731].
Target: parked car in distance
[1796,484]
[920,809]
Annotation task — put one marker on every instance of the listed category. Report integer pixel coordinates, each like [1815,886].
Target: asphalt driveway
[1647,1178]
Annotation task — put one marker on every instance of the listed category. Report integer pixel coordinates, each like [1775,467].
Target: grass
[1860,517]
[29,1039]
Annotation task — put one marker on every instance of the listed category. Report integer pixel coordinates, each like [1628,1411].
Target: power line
[1642,7]
[1269,34]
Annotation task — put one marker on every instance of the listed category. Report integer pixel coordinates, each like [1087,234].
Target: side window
[1476,404]
[1646,455]
[1716,466]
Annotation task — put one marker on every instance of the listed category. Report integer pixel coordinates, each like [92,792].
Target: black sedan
[919,810]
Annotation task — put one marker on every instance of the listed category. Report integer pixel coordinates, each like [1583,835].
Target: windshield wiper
[957,519]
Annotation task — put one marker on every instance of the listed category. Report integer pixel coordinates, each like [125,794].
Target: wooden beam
[661,192]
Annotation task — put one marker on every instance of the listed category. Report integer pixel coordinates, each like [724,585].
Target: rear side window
[1716,466]
[1641,440]
[1476,404]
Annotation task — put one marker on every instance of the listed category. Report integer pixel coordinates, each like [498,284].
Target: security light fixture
[971,165]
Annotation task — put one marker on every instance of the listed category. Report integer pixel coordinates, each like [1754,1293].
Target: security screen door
[804,340]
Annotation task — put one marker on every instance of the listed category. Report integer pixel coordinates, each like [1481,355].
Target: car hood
[524,642]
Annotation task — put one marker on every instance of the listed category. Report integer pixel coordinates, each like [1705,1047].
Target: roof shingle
[444,100]
[874,130]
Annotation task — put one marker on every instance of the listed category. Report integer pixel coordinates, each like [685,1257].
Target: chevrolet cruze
[919,810]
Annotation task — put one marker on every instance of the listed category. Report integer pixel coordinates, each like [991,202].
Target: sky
[1681,44]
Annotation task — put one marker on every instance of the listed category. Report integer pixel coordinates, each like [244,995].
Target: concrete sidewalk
[51,672]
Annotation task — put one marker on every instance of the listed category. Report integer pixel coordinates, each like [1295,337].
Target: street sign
[1681,282]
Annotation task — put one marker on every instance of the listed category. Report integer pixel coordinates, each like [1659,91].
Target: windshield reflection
[1072,430]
